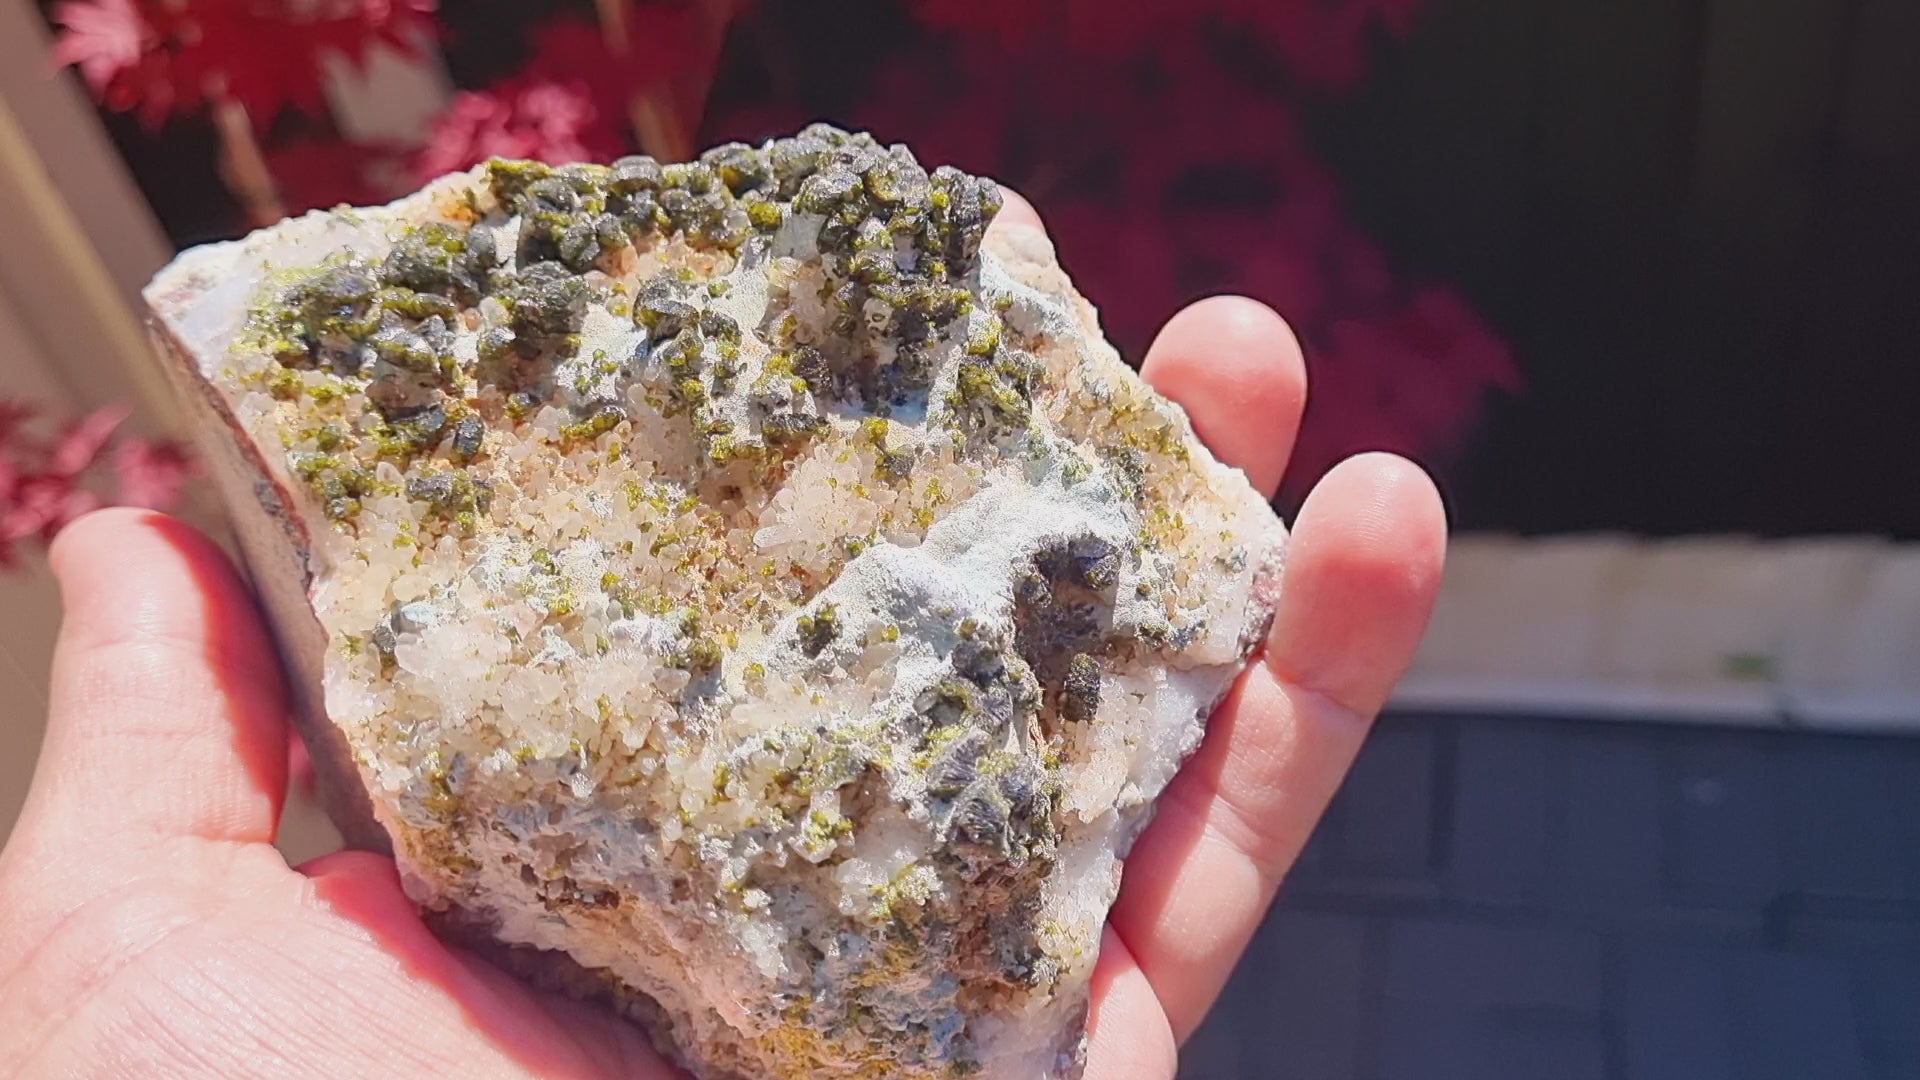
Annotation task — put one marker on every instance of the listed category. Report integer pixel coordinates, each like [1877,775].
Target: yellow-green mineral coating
[754,578]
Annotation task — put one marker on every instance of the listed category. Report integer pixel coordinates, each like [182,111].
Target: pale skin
[149,928]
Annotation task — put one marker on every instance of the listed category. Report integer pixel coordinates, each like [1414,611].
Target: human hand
[1360,575]
[151,929]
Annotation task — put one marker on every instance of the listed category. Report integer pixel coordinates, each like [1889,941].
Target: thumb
[167,715]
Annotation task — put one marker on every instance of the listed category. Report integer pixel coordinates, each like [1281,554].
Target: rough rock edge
[278,557]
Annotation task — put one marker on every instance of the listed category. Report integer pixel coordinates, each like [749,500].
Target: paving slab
[1602,902]
[1505,784]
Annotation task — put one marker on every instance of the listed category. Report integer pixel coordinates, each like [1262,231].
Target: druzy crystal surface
[753,586]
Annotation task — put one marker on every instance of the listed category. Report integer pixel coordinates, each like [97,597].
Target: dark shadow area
[1699,226]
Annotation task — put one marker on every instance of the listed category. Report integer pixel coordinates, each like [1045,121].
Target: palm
[153,930]
[223,961]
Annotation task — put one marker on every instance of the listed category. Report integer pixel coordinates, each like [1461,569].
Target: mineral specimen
[752,584]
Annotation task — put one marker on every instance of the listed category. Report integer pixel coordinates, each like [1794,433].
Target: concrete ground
[1495,899]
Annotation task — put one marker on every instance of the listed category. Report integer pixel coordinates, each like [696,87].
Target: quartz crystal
[750,590]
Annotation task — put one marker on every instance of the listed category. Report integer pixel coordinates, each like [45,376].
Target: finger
[1127,1033]
[1236,368]
[1362,570]
[1016,210]
[167,712]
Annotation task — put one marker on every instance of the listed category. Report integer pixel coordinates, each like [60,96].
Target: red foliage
[1322,42]
[47,481]
[105,39]
[1160,139]
[319,173]
[1165,180]
[574,50]
[555,122]
[168,57]
[150,474]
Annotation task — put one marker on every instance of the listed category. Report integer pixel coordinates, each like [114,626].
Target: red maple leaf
[150,474]
[274,58]
[80,444]
[554,122]
[120,51]
[100,37]
[46,482]
[164,57]
[324,172]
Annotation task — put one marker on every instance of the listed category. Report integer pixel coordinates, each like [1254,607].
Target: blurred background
[1639,282]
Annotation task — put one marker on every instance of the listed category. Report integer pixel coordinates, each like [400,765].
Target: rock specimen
[754,582]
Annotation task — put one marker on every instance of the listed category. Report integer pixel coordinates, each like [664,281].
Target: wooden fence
[1699,223]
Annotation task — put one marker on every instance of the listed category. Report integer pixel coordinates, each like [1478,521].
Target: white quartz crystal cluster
[754,584]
